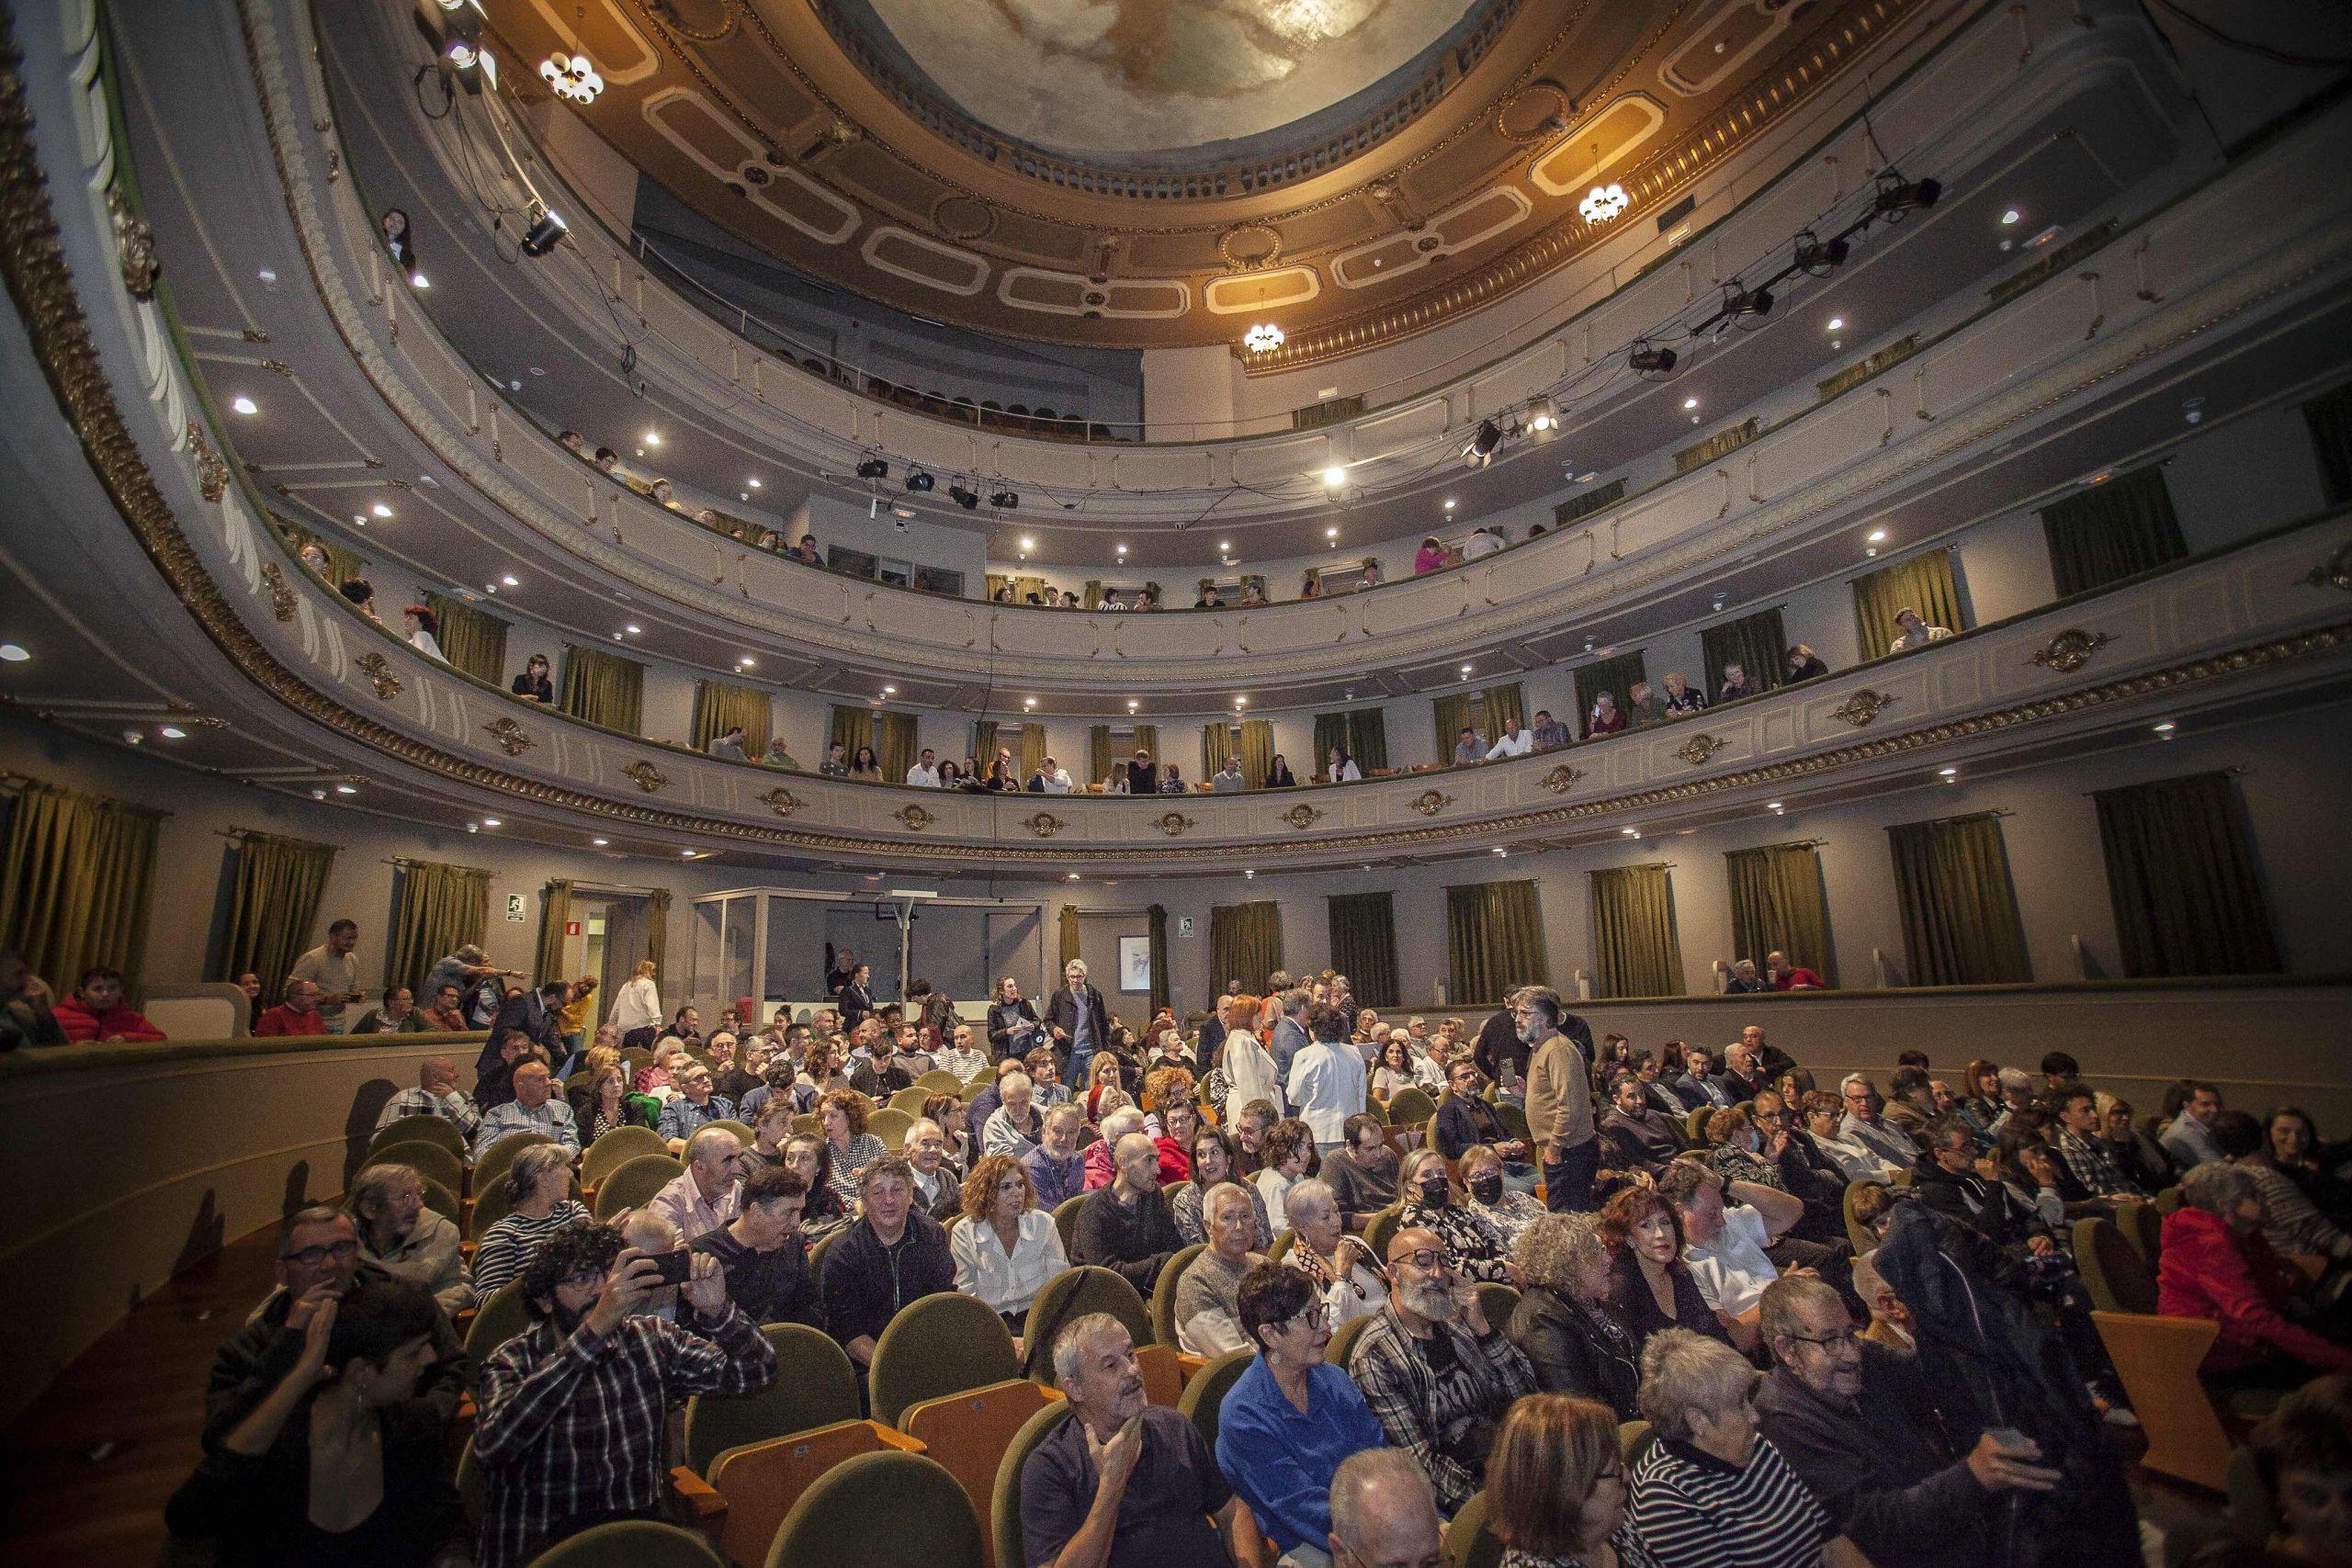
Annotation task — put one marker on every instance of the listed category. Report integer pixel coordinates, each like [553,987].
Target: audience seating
[2157,1357]
[2118,1277]
[491,1205]
[1514,1122]
[429,1160]
[967,1433]
[1066,1219]
[817,1254]
[442,1201]
[890,1126]
[1408,1109]
[805,1123]
[815,1386]
[637,1057]
[910,1100]
[939,1080]
[881,1510]
[1283,1243]
[434,1130]
[1205,1395]
[1164,1370]
[937,1345]
[1695,1124]
[1343,1343]
[2165,1202]
[2142,1227]
[1163,1293]
[1497,1300]
[2253,1515]
[1856,1231]
[473,1486]
[499,1319]
[754,1485]
[500,1154]
[1634,1440]
[616,1148]
[1068,1297]
[1004,1497]
[1380,1230]
[634,1183]
[970,1093]
[630,1543]
[1469,1542]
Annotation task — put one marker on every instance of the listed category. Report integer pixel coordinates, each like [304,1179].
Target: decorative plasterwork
[782,801]
[512,737]
[282,602]
[1429,802]
[1561,779]
[211,473]
[1701,748]
[1862,707]
[134,243]
[2336,571]
[1045,824]
[915,818]
[649,777]
[1174,822]
[1302,815]
[379,671]
[2071,649]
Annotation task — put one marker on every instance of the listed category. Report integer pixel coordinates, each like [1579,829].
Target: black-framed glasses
[1850,1338]
[311,1256]
[1315,1315]
[1419,1258]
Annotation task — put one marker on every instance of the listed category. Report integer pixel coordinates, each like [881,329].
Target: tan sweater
[1559,1097]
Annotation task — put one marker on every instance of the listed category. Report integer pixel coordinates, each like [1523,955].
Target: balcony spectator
[1549,731]
[422,627]
[1171,781]
[1051,778]
[315,560]
[1466,747]
[805,552]
[1483,542]
[1745,979]
[1737,684]
[533,685]
[1516,740]
[1431,557]
[362,594]
[727,745]
[1642,707]
[866,764]
[335,970]
[1279,776]
[836,763]
[609,461]
[1914,632]
[573,442]
[1227,780]
[297,1016]
[1209,599]
[400,239]
[925,774]
[1681,698]
[1339,768]
[1606,717]
[1802,664]
[1789,977]
[96,1011]
[779,755]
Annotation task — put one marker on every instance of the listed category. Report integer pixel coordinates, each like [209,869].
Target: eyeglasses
[311,1256]
[1848,1339]
[1425,1258]
[1315,1314]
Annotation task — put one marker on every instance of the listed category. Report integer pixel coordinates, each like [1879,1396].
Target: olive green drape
[602,688]
[1245,940]
[343,565]
[1924,583]
[1256,752]
[1778,906]
[984,743]
[436,909]
[1217,745]
[1959,907]
[1615,676]
[1158,915]
[720,706]
[1364,732]
[2112,531]
[1069,934]
[1635,950]
[1033,750]
[273,898]
[1148,739]
[2328,417]
[1483,711]
[1494,941]
[1098,754]
[1504,706]
[473,640]
[892,736]
[76,878]
[1364,945]
[657,933]
[1753,642]
[1449,715]
[2182,876]
[555,910]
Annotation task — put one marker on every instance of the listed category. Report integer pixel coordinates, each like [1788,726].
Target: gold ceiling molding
[379,671]
[1701,748]
[2070,649]
[282,602]
[134,243]
[512,737]
[1045,824]
[1429,802]
[211,473]
[915,818]
[1302,815]
[1561,779]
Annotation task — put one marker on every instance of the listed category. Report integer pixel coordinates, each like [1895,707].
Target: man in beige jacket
[1559,1101]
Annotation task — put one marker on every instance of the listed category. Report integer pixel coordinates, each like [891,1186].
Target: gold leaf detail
[1698,748]
[134,244]
[1302,815]
[915,818]
[2336,571]
[281,598]
[782,801]
[211,473]
[649,777]
[1561,779]
[511,737]
[1174,822]
[2071,649]
[379,671]
[1431,802]
[1862,707]
[1045,824]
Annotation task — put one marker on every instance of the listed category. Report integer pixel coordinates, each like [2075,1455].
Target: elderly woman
[540,1179]
[1711,1493]
[1119,1119]
[1215,1159]
[1735,1148]
[1487,1195]
[1557,1487]
[1649,1285]
[1576,1340]
[2215,1265]
[841,1116]
[1007,1247]
[1014,1127]
[1341,1266]
[657,1077]
[1247,1065]
[1473,1247]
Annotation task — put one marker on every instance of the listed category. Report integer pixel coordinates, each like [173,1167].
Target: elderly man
[535,1109]
[1559,1101]
[1726,1250]
[708,1193]
[464,968]
[1325,1084]
[1057,1167]
[1382,1515]
[1014,1126]
[1122,1484]
[1770,1060]
[398,1015]
[1914,1102]
[1438,1375]
[1745,980]
[693,1108]
[1634,1135]
[1208,1296]
[1865,1125]
[399,1235]
[96,1011]
[1126,1227]
[437,1094]
[1741,1073]
[1899,1478]
[333,969]
[1227,780]
[764,1253]
[1788,976]
[939,1185]
[1078,1021]
[297,1017]
[893,1255]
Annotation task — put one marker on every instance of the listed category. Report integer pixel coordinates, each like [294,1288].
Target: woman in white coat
[636,1008]
[1249,1067]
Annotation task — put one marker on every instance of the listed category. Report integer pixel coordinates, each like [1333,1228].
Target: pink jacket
[2208,1271]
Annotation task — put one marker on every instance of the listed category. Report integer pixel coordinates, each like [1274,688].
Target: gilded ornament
[211,473]
[782,801]
[278,367]
[1560,780]
[1698,748]
[2336,571]
[379,671]
[1302,815]
[254,334]
[915,818]
[1174,822]
[134,244]
[281,598]
[649,777]
[1045,824]
[511,737]
[1862,707]
[1431,802]
[2071,649]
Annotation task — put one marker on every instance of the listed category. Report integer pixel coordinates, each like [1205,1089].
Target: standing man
[1559,1101]
[1078,1021]
[1288,1037]
[1327,1079]
[332,969]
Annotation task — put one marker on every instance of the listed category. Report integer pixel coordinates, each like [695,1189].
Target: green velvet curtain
[1098,755]
[1364,945]
[1217,745]
[473,640]
[342,565]
[2181,873]
[1449,715]
[1364,734]
[1615,676]
[984,743]
[657,933]
[1924,583]
[1753,642]
[1032,751]
[273,898]
[435,909]
[602,688]
[2112,531]
[1148,739]
[894,744]
[719,705]
[1068,939]
[1159,938]
[1257,750]
[1635,950]
[555,909]
[76,878]
[2329,419]
[1245,939]
[1778,905]
[1494,941]
[1959,907]
[1504,704]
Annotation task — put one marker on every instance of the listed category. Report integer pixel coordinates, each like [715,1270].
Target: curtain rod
[2236,771]
[1788,844]
[405,863]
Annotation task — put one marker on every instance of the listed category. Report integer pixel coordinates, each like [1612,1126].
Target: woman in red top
[2215,1265]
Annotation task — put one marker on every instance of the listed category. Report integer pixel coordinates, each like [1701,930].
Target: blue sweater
[1281,1461]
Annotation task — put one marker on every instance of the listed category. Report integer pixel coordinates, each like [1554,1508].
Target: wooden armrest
[892,1437]
[2307,1267]
[1189,1365]
[692,1498]
[466,1410]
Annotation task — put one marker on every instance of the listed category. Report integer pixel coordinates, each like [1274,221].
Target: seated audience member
[1045,1087]
[534,1109]
[1949,1183]
[1213,1161]
[1291,1418]
[808,1157]
[437,1094]
[1008,1245]
[960,1056]
[340,1460]
[1556,1488]
[1701,1084]
[540,1179]
[1474,1249]
[1548,731]
[603,1104]
[1824,1135]
[1438,1375]
[1573,1337]
[575,1411]
[1015,1127]
[1742,1074]
[1711,1492]
[1802,664]
[1126,1227]
[408,1241]
[2214,1265]
[882,1074]
[693,1108]
[705,1195]
[1122,1484]
[1891,1326]
[727,745]
[1636,1135]
[446,1014]
[1793,1165]
[1208,1318]
[1681,698]
[1118,1118]
[2078,1143]
[893,1254]
[2185,1137]
[1912,632]
[533,685]
[1289,1148]
[1172,1090]
[1341,1266]
[1745,980]
[1362,1173]
[1737,684]
[1788,976]
[939,1181]
[1465,1118]
[1056,1166]
[397,1015]
[297,1017]
[1912,1104]
[1731,1251]
[1649,1284]
[762,1253]
[2134,1150]
[1907,1484]
[96,1011]
[2292,1223]
[1865,1124]
[841,1116]
[2303,1457]
[1488,1197]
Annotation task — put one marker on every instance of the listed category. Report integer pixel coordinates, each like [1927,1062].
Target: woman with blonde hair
[636,1008]
[1556,1487]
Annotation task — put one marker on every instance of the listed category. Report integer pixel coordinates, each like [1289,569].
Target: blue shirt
[682,1118]
[1057,1182]
[1282,1461]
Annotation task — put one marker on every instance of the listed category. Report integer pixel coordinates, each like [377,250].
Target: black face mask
[1433,1192]
[1486,1189]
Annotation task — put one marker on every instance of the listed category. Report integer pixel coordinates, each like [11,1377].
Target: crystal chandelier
[1603,203]
[573,77]
[1263,338]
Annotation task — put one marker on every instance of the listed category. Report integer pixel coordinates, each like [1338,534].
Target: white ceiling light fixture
[245,406]
[573,77]
[1604,204]
[600,843]
[1332,532]
[418,280]
[15,653]
[636,630]
[1028,702]
[2164,730]
[889,691]
[346,789]
[1835,323]
[1263,338]
[492,823]
[174,732]
[1334,477]
[1690,403]
[1948,775]
[1543,414]
[2010,217]
[1448,503]
[511,580]
[653,438]
[381,510]
[1122,549]
[1876,536]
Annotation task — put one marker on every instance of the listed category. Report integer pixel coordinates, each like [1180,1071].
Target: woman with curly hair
[841,1113]
[1171,1090]
[1288,1152]
[1577,1341]
[1649,1284]
[1215,1159]
[1007,1246]
[808,1157]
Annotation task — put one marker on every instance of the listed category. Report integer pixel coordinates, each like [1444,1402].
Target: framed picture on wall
[1134,964]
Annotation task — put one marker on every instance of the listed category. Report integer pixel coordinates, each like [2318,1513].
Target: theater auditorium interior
[1734,619]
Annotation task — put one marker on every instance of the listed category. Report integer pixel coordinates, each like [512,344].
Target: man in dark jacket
[1852,1420]
[1126,1227]
[1701,1084]
[537,1015]
[1079,1022]
[893,1255]
[1633,1136]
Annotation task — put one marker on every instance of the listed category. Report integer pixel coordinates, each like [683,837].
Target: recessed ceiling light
[1772,805]
[635,630]
[345,789]
[889,691]
[14,652]
[1028,543]
[2011,216]
[1122,549]
[1332,532]
[174,732]
[418,280]
[653,438]
[1876,535]
[754,483]
[1632,832]
[244,405]
[1248,873]
[1837,323]
[1133,704]
[381,510]
[1690,402]
[688,853]
[2165,730]
[492,822]
[1448,503]
[747,661]
[267,275]
[1466,669]
[1948,773]
[1500,851]
[1028,702]
[511,580]
[315,795]
[1587,478]
[473,826]
[1073,877]
[1241,702]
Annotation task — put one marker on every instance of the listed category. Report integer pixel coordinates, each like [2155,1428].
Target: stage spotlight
[462,53]
[1649,360]
[1897,195]
[1543,413]
[1740,301]
[1819,259]
[873,468]
[545,233]
[965,496]
[1480,449]
[919,481]
[1006,500]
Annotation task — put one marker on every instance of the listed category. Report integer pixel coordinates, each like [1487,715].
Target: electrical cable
[2248,46]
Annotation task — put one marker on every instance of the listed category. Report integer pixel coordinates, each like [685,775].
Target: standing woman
[636,1008]
[1249,1067]
[854,999]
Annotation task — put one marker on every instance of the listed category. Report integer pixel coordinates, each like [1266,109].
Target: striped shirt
[507,1246]
[1694,1511]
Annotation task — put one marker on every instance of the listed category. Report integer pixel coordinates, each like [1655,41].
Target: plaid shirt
[454,1108]
[571,1426]
[1419,1411]
[2091,1166]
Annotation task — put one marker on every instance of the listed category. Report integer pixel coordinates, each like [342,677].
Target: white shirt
[1858,1161]
[1348,773]
[1249,1068]
[425,643]
[1007,1283]
[1518,743]
[1326,1088]
[1732,1269]
[1274,1187]
[1908,640]
[1058,782]
[1480,545]
[926,778]
[637,1005]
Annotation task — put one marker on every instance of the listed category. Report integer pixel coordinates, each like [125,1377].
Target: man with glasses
[1898,1478]
[1435,1371]
[1560,1102]
[1864,1126]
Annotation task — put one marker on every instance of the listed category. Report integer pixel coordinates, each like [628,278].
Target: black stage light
[545,233]
[918,480]
[873,468]
[1480,449]
[966,496]
[1748,301]
[1897,195]
[1818,258]
[1008,499]
[1648,360]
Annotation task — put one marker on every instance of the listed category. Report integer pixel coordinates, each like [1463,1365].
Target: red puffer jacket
[2208,1271]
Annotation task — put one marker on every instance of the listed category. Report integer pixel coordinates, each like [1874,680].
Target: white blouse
[1249,1068]
[637,1005]
[1007,1283]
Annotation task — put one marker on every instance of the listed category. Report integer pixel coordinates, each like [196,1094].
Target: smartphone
[2010,1440]
[672,1268]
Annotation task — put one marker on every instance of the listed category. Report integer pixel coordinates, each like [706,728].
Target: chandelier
[1603,203]
[573,77]
[1263,338]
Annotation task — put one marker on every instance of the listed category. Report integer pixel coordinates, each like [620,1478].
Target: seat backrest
[499,1319]
[1497,1300]
[1343,1343]
[935,1345]
[1068,1297]
[1470,1541]
[491,1205]
[814,1386]
[2142,1227]
[1283,1243]
[473,1486]
[911,1099]
[2253,1514]
[1005,1502]
[2118,1279]
[761,1482]
[630,1543]
[1695,1124]
[1205,1395]
[1514,1122]
[635,1182]
[939,1080]
[638,1059]
[968,1432]
[1634,1440]
[429,1160]
[615,1149]
[881,1510]
[500,1154]
[436,1130]
[890,1126]
[2165,1201]
[1410,1107]
[441,1200]
[1164,1292]
[1857,1233]
[1380,1230]
[1065,1220]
